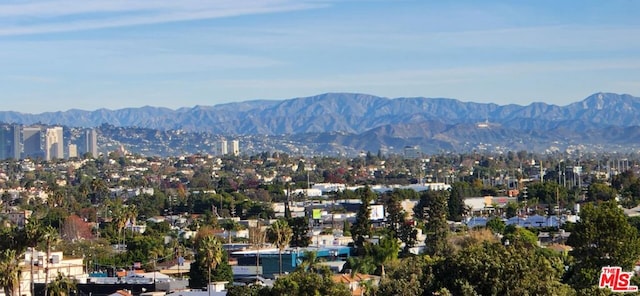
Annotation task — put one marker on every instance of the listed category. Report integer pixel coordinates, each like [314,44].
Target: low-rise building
[36,265]
[355,282]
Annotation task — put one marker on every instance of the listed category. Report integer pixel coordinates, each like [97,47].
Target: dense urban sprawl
[448,224]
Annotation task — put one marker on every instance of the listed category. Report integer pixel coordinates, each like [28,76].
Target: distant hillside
[345,112]
[368,122]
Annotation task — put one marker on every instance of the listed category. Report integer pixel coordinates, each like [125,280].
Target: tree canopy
[602,237]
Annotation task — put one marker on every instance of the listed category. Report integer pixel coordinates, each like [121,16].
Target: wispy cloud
[449,75]
[29,79]
[48,16]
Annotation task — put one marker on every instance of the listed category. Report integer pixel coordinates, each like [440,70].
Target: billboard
[377,212]
[316,214]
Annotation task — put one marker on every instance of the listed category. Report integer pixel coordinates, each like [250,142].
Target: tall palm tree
[130,215]
[156,252]
[56,197]
[178,250]
[61,286]
[257,237]
[51,238]
[9,272]
[121,215]
[34,233]
[280,234]
[99,189]
[211,253]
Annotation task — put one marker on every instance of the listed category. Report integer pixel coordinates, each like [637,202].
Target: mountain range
[367,122]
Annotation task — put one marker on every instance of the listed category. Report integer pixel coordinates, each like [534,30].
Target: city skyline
[58,55]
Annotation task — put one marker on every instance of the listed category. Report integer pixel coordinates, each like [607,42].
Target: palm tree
[61,285]
[156,253]
[178,250]
[121,215]
[9,272]
[256,238]
[130,215]
[310,262]
[99,189]
[56,197]
[280,234]
[230,225]
[51,238]
[34,233]
[211,253]
[364,264]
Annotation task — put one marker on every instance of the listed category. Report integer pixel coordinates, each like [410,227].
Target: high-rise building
[5,142]
[16,148]
[90,142]
[10,146]
[235,147]
[223,148]
[72,150]
[412,152]
[53,143]
[32,142]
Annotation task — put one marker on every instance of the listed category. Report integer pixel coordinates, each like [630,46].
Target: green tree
[394,212]
[361,264]
[257,238]
[455,204]
[230,225]
[519,236]
[99,190]
[346,228]
[210,257]
[9,272]
[601,192]
[435,214]
[121,215]
[385,250]
[511,209]
[300,232]
[496,225]
[252,290]
[548,192]
[408,235]
[156,253]
[302,283]
[61,286]
[280,235]
[310,262]
[602,237]
[50,238]
[409,276]
[361,228]
[490,268]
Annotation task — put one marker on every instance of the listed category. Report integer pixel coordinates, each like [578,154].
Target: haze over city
[59,55]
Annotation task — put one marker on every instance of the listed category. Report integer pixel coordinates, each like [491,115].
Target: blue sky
[57,55]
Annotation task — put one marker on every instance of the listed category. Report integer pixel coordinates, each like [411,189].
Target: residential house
[355,282]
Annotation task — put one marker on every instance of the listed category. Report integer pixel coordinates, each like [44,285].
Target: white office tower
[235,147]
[32,142]
[53,143]
[73,150]
[91,142]
[17,144]
[223,148]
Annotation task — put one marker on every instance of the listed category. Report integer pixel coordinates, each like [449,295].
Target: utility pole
[558,203]
[32,284]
